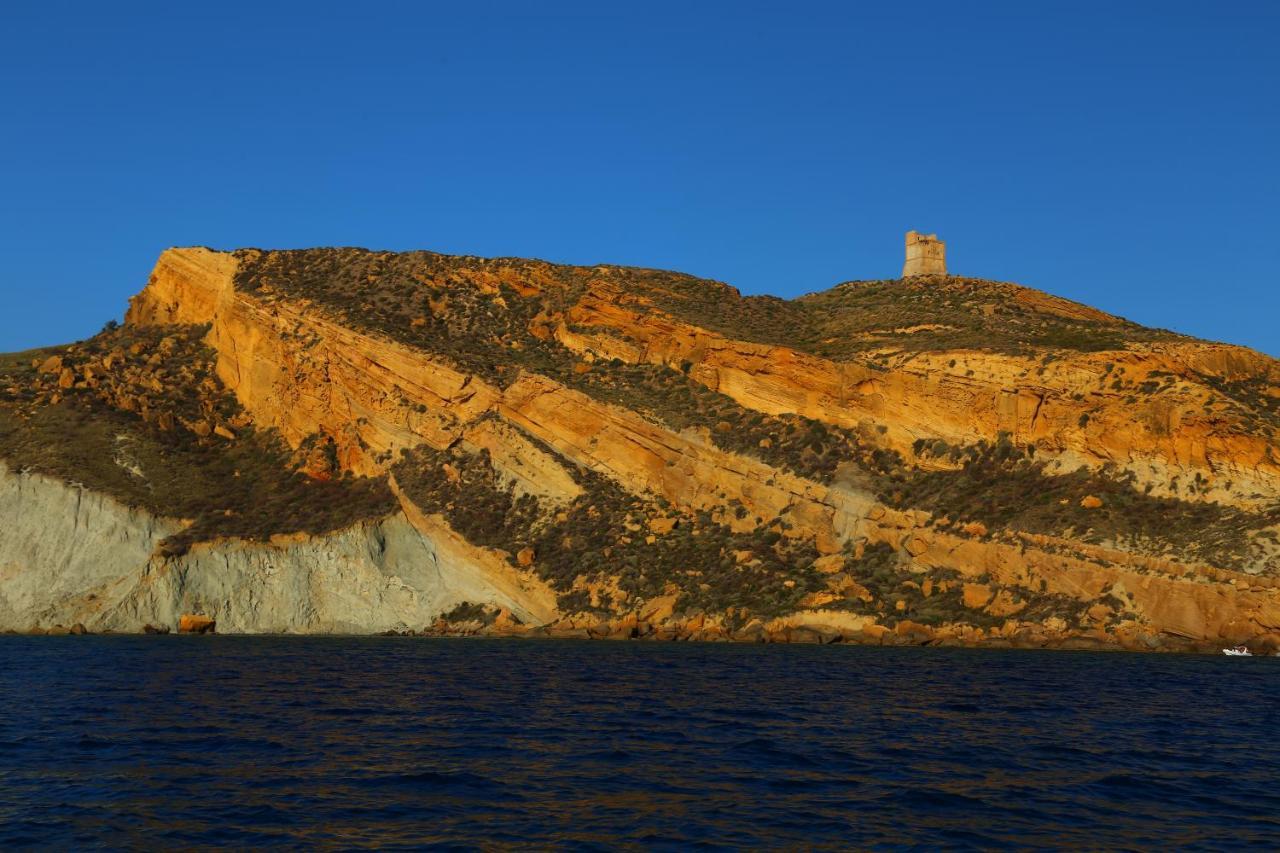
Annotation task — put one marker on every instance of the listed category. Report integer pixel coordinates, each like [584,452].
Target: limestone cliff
[73,556]
[631,452]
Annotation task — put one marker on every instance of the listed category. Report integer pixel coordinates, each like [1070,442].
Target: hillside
[347,440]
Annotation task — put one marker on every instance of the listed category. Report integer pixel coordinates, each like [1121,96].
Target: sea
[404,743]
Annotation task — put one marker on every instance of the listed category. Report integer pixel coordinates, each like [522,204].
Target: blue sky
[1122,154]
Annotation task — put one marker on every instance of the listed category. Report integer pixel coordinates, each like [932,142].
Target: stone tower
[926,255]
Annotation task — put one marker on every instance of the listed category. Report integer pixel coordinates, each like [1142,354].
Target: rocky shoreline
[905,634]
[630,629]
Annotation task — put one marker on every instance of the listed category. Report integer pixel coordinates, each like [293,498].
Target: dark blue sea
[162,742]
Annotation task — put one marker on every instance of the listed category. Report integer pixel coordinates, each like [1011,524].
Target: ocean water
[404,742]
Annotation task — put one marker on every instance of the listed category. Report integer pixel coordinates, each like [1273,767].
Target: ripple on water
[236,741]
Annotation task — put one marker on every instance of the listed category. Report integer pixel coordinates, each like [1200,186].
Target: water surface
[201,741]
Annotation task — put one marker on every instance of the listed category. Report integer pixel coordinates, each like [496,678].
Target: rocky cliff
[75,556]
[339,440]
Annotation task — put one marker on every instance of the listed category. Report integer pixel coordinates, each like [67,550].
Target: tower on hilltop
[926,255]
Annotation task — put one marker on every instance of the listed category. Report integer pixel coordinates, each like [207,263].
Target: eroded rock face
[299,371]
[72,556]
[1066,406]
[295,368]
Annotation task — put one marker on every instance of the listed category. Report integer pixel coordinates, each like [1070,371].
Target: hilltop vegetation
[464,309]
[482,306]
[912,315]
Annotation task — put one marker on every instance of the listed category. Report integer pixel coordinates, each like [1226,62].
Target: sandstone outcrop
[1067,407]
[192,623]
[1154,419]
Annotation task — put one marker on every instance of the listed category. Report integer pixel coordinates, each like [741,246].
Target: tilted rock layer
[607,451]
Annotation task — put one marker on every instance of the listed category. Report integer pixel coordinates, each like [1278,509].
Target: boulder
[1005,603]
[752,632]
[1100,613]
[624,628]
[804,635]
[829,564]
[191,623]
[662,526]
[874,633]
[849,588]
[600,630]
[659,609]
[976,595]
[913,632]
[916,545]
[815,600]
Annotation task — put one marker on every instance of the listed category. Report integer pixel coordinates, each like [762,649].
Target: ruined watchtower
[926,255]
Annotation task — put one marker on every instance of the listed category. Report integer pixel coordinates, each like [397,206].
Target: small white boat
[1238,652]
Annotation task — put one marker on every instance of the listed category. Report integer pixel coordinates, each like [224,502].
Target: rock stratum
[347,441]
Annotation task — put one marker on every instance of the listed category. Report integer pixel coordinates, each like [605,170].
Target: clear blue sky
[1124,154]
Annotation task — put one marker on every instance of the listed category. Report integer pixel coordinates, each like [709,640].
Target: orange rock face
[295,368]
[191,623]
[976,595]
[1068,406]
